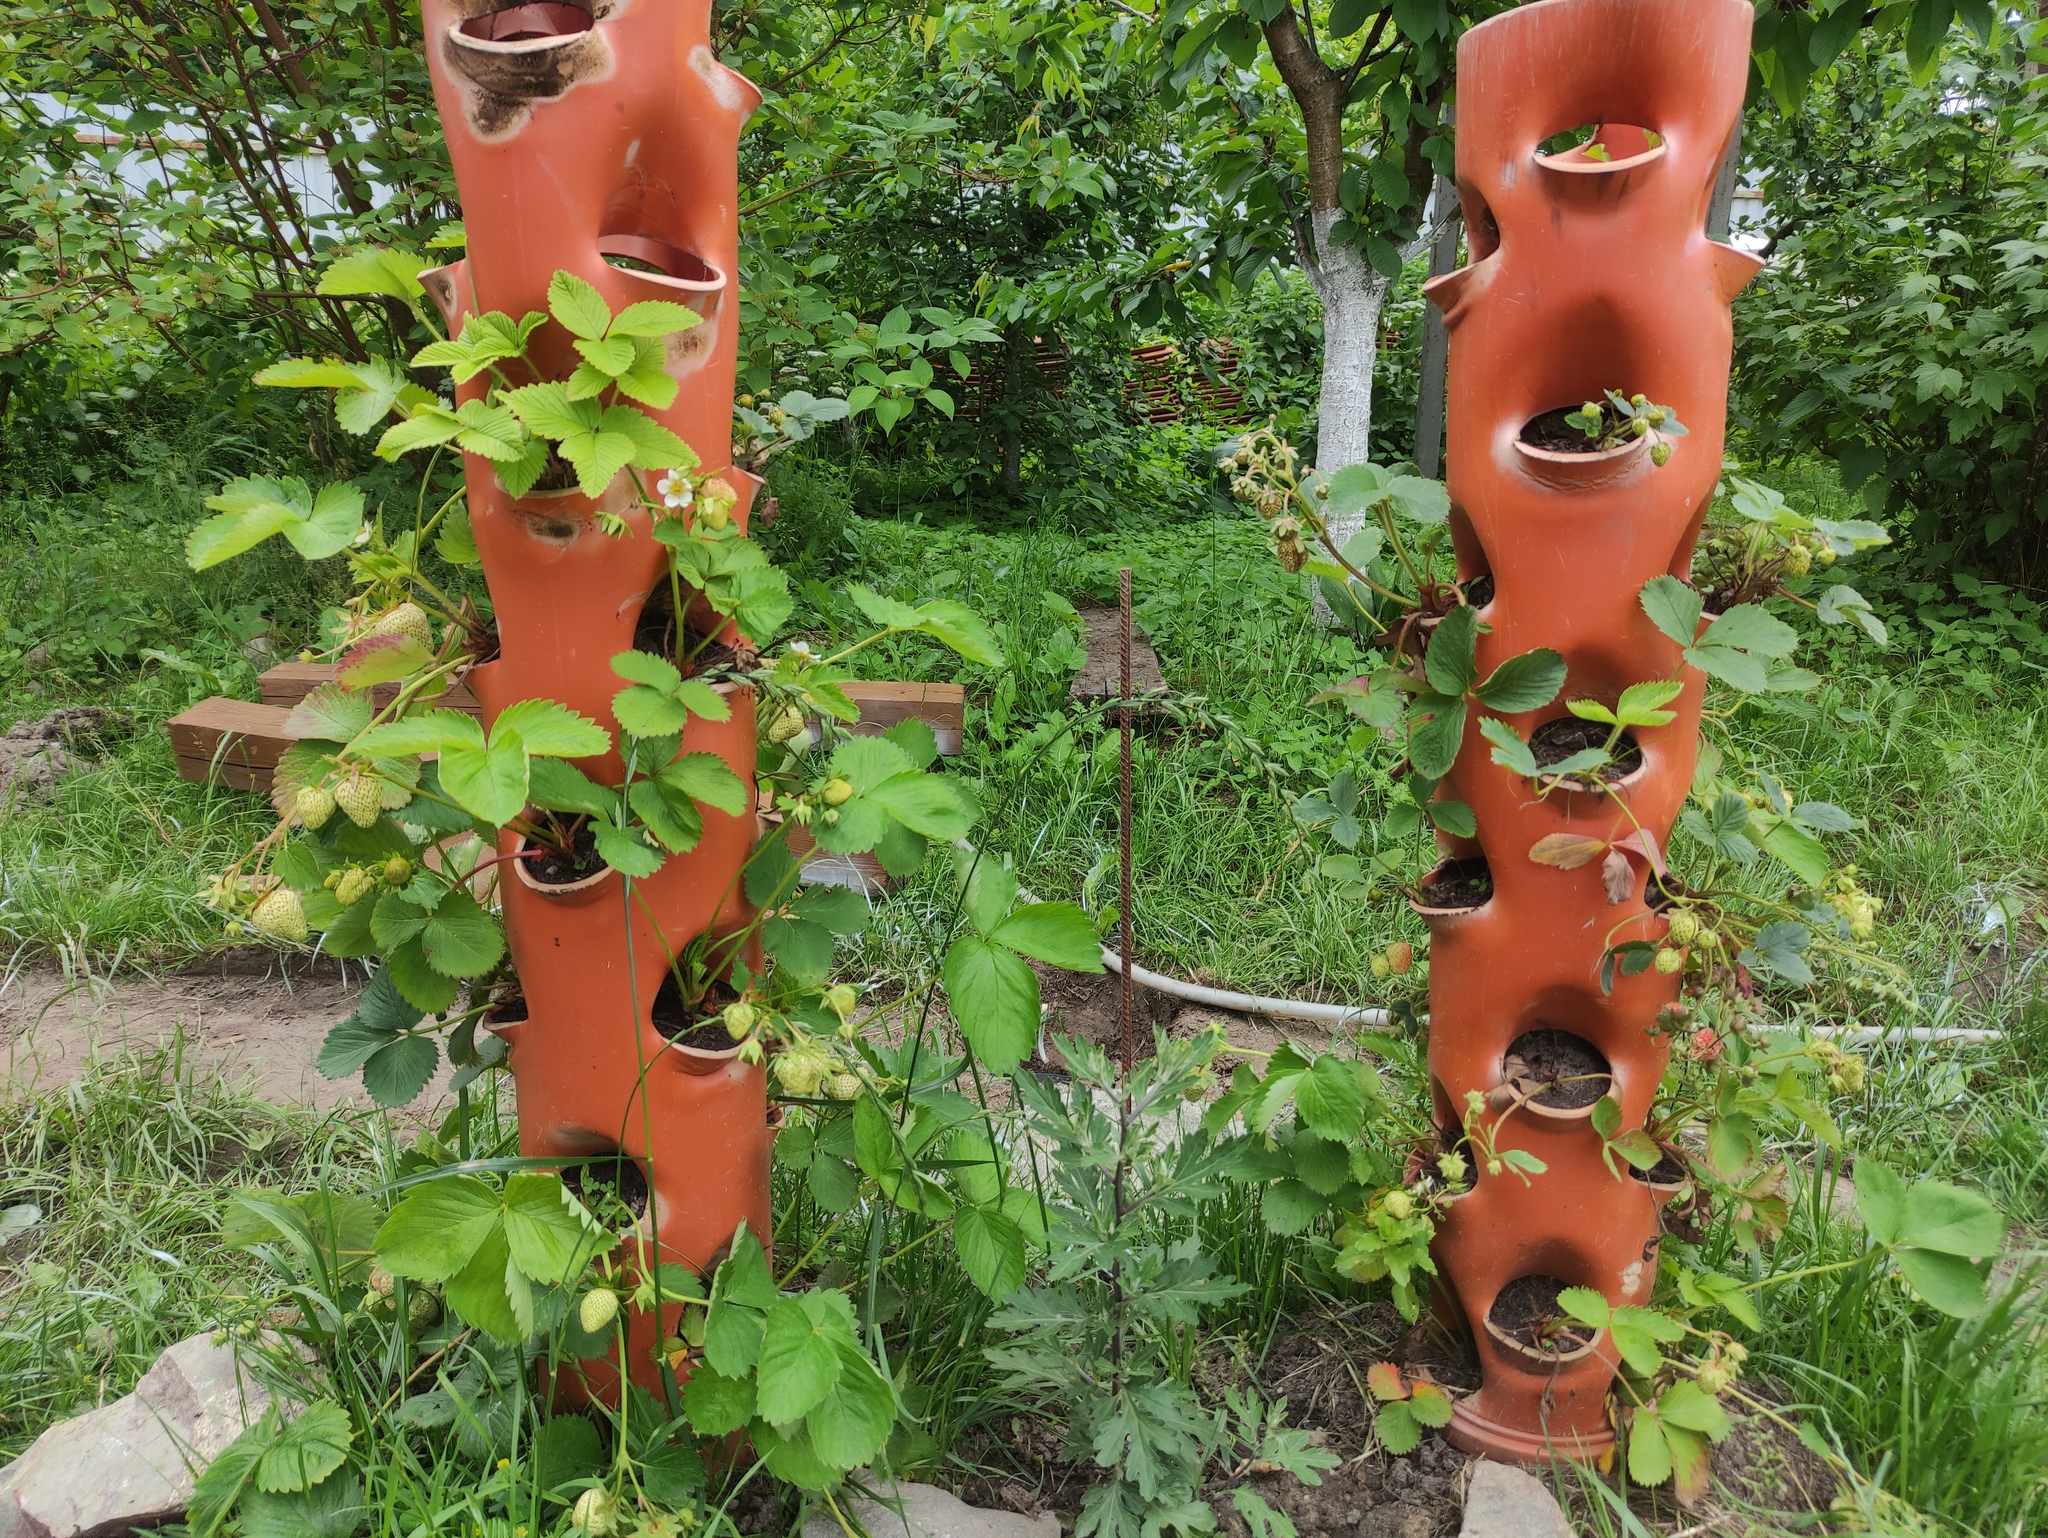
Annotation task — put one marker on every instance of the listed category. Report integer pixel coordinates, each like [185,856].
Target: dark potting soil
[1555,741]
[1574,1070]
[1667,1171]
[1527,1311]
[1459,884]
[616,1176]
[1551,431]
[655,632]
[505,1006]
[1479,591]
[551,868]
[702,1029]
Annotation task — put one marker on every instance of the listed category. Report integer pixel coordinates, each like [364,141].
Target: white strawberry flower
[675,490]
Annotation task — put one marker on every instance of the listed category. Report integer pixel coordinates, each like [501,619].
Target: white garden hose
[1372,1019]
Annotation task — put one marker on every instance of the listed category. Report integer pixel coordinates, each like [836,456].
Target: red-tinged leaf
[329,714]
[380,659]
[1566,851]
[1617,877]
[1383,1380]
[1643,842]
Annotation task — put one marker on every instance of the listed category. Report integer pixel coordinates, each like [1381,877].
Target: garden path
[252,1025]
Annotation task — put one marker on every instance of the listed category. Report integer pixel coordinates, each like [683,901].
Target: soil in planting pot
[1479,591]
[1572,1068]
[616,1176]
[553,868]
[701,1028]
[1667,1171]
[505,1006]
[655,632]
[1555,741]
[1315,1363]
[1527,1311]
[1552,432]
[1459,884]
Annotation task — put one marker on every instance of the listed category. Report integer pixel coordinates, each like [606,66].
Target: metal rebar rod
[1127,1042]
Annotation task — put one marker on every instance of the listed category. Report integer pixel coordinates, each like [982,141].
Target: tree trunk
[1353,292]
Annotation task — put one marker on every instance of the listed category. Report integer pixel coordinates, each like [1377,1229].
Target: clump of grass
[127,1169]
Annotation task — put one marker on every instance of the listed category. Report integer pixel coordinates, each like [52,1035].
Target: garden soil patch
[243,1020]
[1318,1368]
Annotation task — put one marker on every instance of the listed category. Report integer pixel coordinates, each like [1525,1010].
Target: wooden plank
[229,742]
[289,682]
[1101,676]
[882,703]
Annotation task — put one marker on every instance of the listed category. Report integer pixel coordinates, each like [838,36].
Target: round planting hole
[526,23]
[655,632]
[1555,741]
[1667,1171]
[643,253]
[1527,1312]
[1569,1069]
[612,1176]
[1479,591]
[1459,884]
[506,1005]
[1552,433]
[554,867]
[699,1026]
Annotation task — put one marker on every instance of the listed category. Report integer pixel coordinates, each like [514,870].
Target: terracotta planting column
[1587,274]
[585,135]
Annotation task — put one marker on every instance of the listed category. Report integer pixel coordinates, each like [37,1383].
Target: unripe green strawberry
[837,791]
[421,1307]
[362,797]
[1798,561]
[1400,1205]
[397,870]
[313,806]
[597,1513]
[739,1019]
[840,998]
[599,1308]
[843,1086]
[355,884]
[786,725]
[1382,969]
[1669,960]
[1685,928]
[281,915]
[408,620]
[1660,454]
[799,1074]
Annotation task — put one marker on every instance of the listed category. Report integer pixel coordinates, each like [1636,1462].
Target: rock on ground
[1507,1502]
[133,1463]
[35,755]
[924,1511]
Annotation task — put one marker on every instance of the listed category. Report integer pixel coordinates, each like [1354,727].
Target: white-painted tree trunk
[1353,292]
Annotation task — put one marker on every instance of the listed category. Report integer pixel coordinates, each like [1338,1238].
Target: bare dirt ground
[245,1020]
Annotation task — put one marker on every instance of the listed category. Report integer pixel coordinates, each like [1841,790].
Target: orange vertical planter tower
[1586,274]
[586,133]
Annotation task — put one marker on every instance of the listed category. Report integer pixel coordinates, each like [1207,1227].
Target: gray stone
[1507,1502]
[35,755]
[925,1511]
[133,1463]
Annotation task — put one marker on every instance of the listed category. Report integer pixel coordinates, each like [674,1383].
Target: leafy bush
[1903,326]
